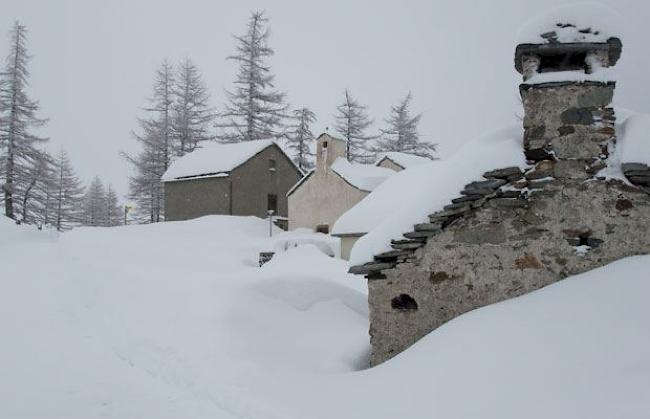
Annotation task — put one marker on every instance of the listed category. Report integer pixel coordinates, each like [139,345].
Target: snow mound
[405,160]
[634,145]
[300,237]
[164,321]
[214,159]
[12,234]
[582,343]
[362,176]
[579,22]
[410,196]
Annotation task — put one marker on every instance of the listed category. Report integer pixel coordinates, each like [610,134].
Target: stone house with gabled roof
[333,187]
[519,228]
[248,178]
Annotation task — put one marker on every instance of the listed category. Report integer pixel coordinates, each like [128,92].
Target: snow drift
[172,321]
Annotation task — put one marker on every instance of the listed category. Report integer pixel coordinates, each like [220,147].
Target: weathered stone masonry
[518,229]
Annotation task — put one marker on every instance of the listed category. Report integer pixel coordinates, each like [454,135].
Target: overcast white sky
[94,60]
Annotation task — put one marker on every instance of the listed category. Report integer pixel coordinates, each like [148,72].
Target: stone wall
[507,248]
[516,230]
[192,198]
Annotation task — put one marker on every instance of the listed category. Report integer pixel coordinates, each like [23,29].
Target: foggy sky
[94,61]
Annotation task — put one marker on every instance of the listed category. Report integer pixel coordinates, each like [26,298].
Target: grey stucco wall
[253,181]
[187,199]
[322,199]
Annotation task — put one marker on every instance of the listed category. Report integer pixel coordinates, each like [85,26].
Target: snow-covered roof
[408,197]
[405,160]
[585,22]
[214,159]
[362,176]
[371,211]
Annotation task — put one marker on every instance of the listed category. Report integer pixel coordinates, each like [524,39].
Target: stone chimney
[328,149]
[567,93]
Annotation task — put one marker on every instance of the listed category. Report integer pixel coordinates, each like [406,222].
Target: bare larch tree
[154,158]
[20,157]
[255,110]
[401,132]
[192,114]
[351,122]
[68,194]
[94,204]
[300,137]
[113,212]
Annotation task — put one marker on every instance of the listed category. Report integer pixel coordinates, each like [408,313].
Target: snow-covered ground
[177,321]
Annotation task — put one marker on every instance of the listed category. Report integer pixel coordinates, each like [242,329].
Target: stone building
[332,188]
[361,218]
[248,178]
[521,228]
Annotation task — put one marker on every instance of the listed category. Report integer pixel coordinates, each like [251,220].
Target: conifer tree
[352,123]
[192,114]
[33,188]
[155,156]
[255,110]
[68,194]
[300,137]
[94,204]
[401,133]
[20,158]
[111,206]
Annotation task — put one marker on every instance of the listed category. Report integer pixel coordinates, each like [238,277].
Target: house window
[272,165]
[324,144]
[272,203]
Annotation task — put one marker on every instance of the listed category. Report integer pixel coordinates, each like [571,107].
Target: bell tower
[328,149]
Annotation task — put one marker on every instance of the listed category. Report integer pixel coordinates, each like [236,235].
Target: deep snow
[175,320]
[408,197]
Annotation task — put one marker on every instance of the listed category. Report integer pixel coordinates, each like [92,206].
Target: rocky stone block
[571,169]
[485,184]
[370,268]
[597,97]
[505,173]
[481,234]
[634,167]
[577,116]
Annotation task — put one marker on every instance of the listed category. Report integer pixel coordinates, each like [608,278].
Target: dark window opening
[563,62]
[272,203]
[272,165]
[404,302]
[324,144]
[323,228]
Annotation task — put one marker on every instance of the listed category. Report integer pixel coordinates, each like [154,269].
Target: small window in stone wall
[272,165]
[323,228]
[404,302]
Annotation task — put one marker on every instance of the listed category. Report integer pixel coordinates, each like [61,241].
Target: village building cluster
[569,196]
